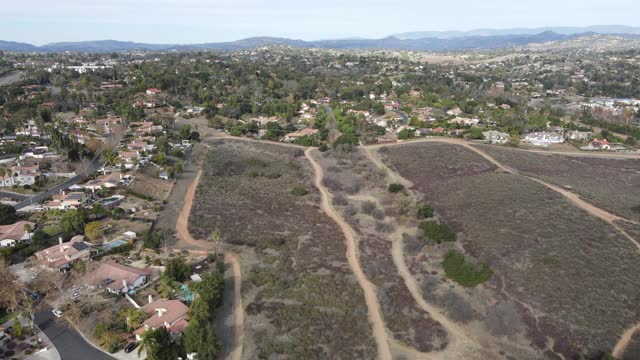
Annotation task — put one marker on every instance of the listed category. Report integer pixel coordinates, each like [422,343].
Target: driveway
[70,344]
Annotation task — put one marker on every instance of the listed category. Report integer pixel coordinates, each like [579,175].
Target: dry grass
[146,183]
[364,206]
[611,184]
[572,269]
[633,350]
[302,299]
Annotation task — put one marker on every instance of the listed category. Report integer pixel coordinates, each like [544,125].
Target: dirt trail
[182,229]
[571,196]
[460,342]
[371,300]
[622,344]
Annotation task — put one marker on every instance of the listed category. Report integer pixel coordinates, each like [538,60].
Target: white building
[544,138]
[495,137]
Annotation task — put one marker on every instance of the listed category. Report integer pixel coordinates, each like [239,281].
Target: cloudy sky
[194,21]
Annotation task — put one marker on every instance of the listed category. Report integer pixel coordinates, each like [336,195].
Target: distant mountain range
[427,41]
[564,30]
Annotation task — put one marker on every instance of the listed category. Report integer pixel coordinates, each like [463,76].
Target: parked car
[57,312]
[130,347]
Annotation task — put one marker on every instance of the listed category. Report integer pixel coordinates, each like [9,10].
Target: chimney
[124,285]
[60,240]
[161,312]
[150,299]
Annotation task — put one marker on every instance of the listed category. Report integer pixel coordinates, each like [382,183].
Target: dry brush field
[612,184]
[563,278]
[302,301]
[358,190]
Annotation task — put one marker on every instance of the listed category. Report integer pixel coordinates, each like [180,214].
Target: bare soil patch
[146,182]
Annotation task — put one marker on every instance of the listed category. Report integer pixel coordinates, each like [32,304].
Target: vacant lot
[570,270]
[360,194]
[147,183]
[611,184]
[302,299]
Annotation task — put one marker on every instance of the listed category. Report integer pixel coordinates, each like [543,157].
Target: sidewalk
[49,352]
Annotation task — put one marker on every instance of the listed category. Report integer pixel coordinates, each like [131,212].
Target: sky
[197,21]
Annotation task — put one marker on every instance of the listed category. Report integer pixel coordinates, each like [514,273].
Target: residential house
[14,233]
[464,121]
[29,129]
[105,181]
[106,126]
[543,138]
[455,111]
[67,201]
[145,127]
[153,91]
[117,278]
[599,145]
[37,152]
[129,158]
[22,175]
[495,137]
[64,254]
[298,134]
[579,135]
[404,127]
[172,314]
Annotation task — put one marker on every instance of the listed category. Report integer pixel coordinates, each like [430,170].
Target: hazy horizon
[193,21]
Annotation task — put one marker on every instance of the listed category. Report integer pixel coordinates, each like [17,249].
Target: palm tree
[148,342]
[109,157]
[216,236]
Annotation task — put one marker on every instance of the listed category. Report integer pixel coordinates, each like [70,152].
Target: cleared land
[565,278]
[302,300]
[611,184]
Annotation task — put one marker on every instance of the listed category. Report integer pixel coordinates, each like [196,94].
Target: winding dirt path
[460,341]
[574,198]
[624,341]
[373,307]
[182,229]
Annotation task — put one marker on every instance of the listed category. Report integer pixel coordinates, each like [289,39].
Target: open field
[302,300]
[569,276]
[350,178]
[611,184]
[426,320]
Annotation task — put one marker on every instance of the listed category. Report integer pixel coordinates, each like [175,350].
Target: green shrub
[465,273]
[299,190]
[323,147]
[139,195]
[437,232]
[395,188]
[424,211]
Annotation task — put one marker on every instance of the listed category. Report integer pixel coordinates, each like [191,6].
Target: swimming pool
[114,244]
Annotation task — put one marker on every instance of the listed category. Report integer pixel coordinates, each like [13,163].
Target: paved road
[13,196]
[95,165]
[69,343]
